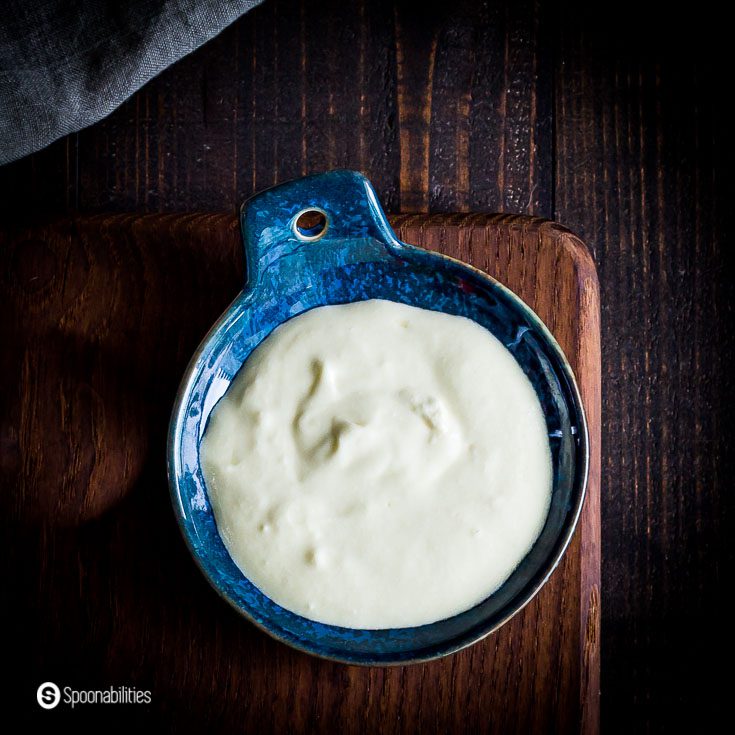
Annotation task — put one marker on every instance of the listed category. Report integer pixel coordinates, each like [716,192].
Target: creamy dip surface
[377,465]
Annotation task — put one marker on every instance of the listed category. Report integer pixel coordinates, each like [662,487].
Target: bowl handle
[344,223]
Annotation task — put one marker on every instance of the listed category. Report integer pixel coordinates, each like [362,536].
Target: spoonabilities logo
[48,695]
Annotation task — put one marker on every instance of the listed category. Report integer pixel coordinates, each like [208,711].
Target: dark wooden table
[612,124]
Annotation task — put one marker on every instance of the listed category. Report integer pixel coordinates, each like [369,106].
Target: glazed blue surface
[359,258]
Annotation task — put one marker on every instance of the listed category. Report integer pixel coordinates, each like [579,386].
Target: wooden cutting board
[102,314]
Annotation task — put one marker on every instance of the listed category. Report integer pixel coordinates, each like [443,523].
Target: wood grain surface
[609,117]
[105,314]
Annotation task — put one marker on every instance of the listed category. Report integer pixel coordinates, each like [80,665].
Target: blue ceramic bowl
[291,270]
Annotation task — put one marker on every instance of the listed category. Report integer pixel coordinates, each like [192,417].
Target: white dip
[376,465]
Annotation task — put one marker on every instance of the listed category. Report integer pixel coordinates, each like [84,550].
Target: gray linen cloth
[65,64]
